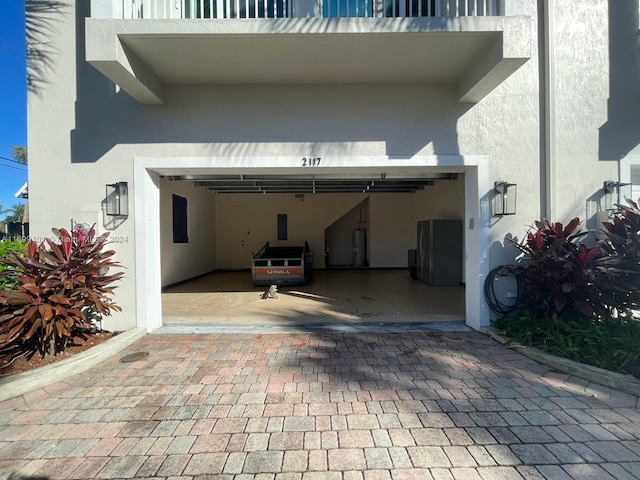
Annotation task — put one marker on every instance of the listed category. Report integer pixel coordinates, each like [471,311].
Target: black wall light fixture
[117,204]
[504,198]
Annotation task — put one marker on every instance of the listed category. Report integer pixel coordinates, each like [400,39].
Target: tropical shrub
[58,282]
[562,275]
[580,291]
[623,241]
[8,275]
[623,235]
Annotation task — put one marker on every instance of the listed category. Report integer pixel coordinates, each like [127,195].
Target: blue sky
[13,102]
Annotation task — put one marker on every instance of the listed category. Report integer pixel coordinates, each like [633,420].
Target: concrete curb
[16,385]
[379,326]
[617,381]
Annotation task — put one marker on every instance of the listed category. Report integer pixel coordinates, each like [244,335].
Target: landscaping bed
[26,363]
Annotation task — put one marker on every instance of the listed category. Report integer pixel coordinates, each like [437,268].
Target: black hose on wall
[496,306]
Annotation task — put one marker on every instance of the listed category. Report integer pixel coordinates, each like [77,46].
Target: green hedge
[7,275]
[611,343]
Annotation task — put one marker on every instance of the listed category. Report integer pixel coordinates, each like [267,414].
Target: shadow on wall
[504,253]
[40,15]
[595,212]
[621,133]
[235,120]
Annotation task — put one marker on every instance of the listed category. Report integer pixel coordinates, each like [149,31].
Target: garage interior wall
[443,201]
[391,228]
[338,245]
[181,261]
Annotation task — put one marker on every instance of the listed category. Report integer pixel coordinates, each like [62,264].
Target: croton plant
[59,282]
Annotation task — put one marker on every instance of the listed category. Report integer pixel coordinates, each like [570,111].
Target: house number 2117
[311,161]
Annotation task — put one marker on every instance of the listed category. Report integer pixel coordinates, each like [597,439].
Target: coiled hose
[496,306]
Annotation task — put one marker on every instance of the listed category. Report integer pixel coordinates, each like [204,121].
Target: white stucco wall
[620,135]
[84,133]
[581,91]
[58,185]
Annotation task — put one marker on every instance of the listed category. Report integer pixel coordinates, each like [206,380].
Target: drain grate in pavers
[134,357]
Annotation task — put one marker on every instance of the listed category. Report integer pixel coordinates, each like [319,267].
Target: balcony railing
[175,9]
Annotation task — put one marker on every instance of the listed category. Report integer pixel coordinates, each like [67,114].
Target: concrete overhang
[23,192]
[476,54]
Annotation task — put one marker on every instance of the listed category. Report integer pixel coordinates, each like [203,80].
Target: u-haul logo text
[278,271]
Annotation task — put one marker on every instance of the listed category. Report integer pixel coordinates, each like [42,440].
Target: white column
[147,248]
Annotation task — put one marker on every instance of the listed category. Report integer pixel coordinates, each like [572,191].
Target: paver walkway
[346,406]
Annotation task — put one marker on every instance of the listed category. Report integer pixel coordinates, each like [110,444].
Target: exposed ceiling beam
[334,177]
[312,184]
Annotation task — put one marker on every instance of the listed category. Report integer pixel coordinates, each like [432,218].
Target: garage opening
[363,232]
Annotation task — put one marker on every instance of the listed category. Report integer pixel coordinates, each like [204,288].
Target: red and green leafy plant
[59,282]
[581,291]
[563,275]
[624,232]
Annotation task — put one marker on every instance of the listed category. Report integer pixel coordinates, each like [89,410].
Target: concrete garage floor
[334,296]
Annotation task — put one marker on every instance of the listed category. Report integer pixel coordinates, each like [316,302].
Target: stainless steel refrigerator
[439,254]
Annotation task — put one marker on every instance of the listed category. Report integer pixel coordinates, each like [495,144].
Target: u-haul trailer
[282,265]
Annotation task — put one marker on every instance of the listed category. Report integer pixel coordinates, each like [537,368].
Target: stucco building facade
[445,98]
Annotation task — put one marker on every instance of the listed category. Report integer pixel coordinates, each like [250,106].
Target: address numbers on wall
[311,161]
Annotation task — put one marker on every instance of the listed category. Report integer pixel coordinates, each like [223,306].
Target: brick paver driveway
[360,406]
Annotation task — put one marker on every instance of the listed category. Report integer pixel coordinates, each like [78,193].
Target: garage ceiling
[311,184]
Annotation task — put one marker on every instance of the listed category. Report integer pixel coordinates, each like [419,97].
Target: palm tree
[3,227]
[17,213]
[40,17]
[19,154]
[18,210]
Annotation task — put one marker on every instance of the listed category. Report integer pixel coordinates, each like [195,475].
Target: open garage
[170,251]
[362,228]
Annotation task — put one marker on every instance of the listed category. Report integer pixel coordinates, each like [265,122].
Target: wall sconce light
[117,199]
[612,194]
[504,198]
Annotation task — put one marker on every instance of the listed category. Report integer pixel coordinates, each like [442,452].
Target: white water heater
[359,248]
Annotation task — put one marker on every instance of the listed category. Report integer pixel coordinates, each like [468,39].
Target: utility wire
[15,168]
[12,160]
